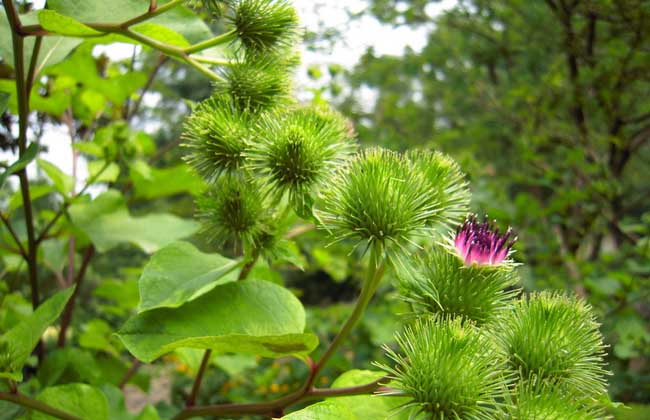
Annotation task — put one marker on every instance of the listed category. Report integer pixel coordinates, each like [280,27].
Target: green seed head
[264,24]
[216,136]
[553,339]
[448,183]
[297,149]
[233,211]
[381,199]
[256,84]
[447,369]
[548,403]
[442,284]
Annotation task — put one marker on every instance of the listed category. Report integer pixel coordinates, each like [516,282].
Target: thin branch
[31,73]
[129,373]
[29,402]
[152,75]
[23,114]
[191,399]
[66,318]
[217,40]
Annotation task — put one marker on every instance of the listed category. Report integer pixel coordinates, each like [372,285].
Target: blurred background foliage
[545,104]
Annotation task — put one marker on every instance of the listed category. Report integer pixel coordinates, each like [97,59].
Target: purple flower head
[481,243]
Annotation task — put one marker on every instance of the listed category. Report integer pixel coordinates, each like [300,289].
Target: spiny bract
[216,136]
[447,369]
[553,338]
[297,149]
[441,283]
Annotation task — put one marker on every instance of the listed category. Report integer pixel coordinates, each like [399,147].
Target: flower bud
[442,284]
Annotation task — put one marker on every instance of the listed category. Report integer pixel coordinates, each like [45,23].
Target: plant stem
[213,61]
[191,399]
[28,402]
[306,391]
[23,114]
[31,73]
[154,10]
[375,273]
[217,40]
[69,307]
[129,373]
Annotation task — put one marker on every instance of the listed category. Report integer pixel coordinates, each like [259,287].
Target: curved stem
[217,40]
[28,402]
[153,11]
[375,273]
[191,399]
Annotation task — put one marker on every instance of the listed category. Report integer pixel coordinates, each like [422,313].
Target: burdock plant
[474,346]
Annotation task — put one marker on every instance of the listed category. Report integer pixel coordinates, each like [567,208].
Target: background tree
[546,106]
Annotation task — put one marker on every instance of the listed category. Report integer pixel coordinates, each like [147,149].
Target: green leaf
[4,101]
[252,317]
[64,25]
[24,160]
[17,343]
[68,365]
[100,171]
[179,273]
[53,48]
[154,183]
[360,407]
[107,222]
[96,335]
[63,183]
[162,34]
[180,19]
[35,192]
[81,400]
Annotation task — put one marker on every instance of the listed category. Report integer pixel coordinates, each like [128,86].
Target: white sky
[358,35]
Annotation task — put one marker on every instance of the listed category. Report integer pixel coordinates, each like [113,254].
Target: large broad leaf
[53,48]
[253,317]
[179,273]
[64,25]
[152,182]
[81,400]
[359,407]
[17,343]
[179,19]
[107,222]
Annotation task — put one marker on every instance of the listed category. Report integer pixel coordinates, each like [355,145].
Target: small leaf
[252,317]
[24,160]
[64,25]
[81,400]
[162,34]
[179,273]
[17,343]
[100,171]
[63,183]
